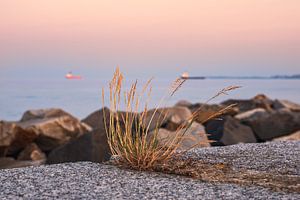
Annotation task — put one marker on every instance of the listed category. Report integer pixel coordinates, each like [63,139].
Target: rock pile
[259,119]
[37,134]
[55,136]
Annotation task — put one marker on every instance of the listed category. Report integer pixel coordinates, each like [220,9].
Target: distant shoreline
[293,77]
[281,77]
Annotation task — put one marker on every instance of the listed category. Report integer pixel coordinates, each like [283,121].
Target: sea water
[81,97]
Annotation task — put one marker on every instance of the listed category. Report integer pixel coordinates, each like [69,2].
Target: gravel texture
[272,157]
[87,180]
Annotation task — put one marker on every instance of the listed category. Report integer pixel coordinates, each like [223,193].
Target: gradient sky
[157,37]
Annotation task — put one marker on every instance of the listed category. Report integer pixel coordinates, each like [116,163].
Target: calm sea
[81,97]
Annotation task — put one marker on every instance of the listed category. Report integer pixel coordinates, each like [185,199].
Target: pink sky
[211,36]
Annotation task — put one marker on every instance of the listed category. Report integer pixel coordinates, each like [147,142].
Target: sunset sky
[157,37]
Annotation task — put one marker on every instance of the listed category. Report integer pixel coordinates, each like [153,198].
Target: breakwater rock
[55,136]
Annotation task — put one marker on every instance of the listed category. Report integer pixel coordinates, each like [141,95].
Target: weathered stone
[160,118]
[205,111]
[291,137]
[229,131]
[3,150]
[178,115]
[154,119]
[43,113]
[96,119]
[91,146]
[183,103]
[13,138]
[195,136]
[254,114]
[6,136]
[268,125]
[259,101]
[31,152]
[53,130]
[279,104]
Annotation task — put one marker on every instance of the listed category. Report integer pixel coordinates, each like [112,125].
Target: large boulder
[96,119]
[169,118]
[43,113]
[259,101]
[205,111]
[32,152]
[7,135]
[256,114]
[183,103]
[13,138]
[178,115]
[99,118]
[194,136]
[53,127]
[229,131]
[271,124]
[279,104]
[91,146]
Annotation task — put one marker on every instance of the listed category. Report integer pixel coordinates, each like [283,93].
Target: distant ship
[186,75]
[69,75]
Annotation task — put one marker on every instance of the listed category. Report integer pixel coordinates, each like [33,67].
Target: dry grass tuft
[128,133]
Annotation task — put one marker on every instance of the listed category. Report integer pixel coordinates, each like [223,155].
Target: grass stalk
[128,134]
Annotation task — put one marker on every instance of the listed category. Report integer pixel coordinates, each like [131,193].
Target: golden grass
[128,133]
